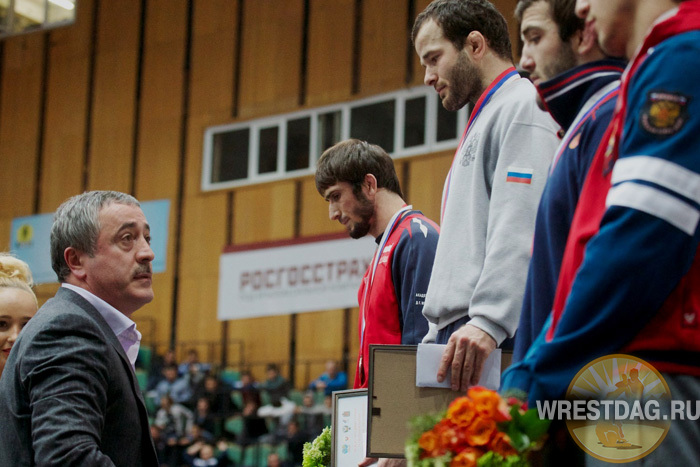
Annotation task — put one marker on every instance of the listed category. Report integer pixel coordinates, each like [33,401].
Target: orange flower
[429,442]
[461,412]
[453,438]
[485,401]
[500,444]
[480,431]
[467,458]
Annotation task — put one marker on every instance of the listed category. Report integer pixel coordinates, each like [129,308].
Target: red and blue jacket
[630,277]
[394,300]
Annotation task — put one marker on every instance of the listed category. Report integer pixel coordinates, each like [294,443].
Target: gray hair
[77,224]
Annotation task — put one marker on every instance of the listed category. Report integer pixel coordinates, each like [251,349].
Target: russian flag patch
[519,175]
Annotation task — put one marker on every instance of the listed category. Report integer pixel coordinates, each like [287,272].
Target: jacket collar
[565,94]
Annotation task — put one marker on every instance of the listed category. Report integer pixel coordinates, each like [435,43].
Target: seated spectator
[158,364]
[295,439]
[201,454]
[219,396]
[311,416]
[275,385]
[198,433]
[179,389]
[254,425]
[331,380]
[273,460]
[175,422]
[160,444]
[278,414]
[192,363]
[248,389]
[165,386]
[204,418]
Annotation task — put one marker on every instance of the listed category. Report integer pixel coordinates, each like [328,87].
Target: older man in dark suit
[68,395]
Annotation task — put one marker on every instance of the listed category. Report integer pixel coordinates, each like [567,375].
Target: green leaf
[518,439]
[532,425]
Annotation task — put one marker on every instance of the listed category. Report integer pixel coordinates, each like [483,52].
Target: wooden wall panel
[20,102]
[203,239]
[507,8]
[116,60]
[66,110]
[213,52]
[271,58]
[384,42]
[204,220]
[319,338]
[330,51]
[111,139]
[418,70]
[314,212]
[266,339]
[426,179]
[159,137]
[264,213]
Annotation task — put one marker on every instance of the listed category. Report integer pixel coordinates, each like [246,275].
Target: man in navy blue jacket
[578,85]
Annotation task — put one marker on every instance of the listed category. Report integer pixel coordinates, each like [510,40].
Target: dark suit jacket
[68,395]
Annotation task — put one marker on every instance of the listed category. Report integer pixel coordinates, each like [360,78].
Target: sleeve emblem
[664,113]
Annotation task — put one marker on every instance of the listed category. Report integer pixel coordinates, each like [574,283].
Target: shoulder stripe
[657,203]
[664,173]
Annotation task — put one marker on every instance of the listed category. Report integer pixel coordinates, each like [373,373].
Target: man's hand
[466,352]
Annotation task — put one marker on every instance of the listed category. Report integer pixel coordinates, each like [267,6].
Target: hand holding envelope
[428,360]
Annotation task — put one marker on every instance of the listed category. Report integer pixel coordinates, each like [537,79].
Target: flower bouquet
[479,429]
[318,452]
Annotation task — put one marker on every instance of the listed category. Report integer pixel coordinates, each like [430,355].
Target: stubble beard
[565,60]
[465,84]
[365,211]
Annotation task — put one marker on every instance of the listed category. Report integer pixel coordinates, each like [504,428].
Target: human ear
[74,260]
[475,45]
[585,41]
[370,184]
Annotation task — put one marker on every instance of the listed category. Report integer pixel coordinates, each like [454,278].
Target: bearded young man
[491,193]
[636,290]
[578,85]
[360,184]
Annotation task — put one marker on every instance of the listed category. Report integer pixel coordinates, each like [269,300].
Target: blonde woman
[17,302]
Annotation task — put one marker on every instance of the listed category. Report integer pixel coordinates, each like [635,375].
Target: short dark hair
[458,18]
[563,14]
[350,160]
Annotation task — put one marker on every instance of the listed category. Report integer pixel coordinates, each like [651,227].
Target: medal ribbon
[375,261]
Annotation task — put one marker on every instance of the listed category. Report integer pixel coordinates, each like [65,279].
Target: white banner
[320,273]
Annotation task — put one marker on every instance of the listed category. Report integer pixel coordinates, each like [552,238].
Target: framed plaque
[349,427]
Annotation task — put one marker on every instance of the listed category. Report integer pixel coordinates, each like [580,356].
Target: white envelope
[428,362]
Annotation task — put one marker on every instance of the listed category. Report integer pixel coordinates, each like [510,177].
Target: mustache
[143,269]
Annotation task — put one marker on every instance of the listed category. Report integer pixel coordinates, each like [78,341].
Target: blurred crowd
[204,417]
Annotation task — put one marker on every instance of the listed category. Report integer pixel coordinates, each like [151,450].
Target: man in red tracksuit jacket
[360,184]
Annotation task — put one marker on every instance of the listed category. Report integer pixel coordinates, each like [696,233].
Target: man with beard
[72,397]
[360,184]
[492,190]
[578,86]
